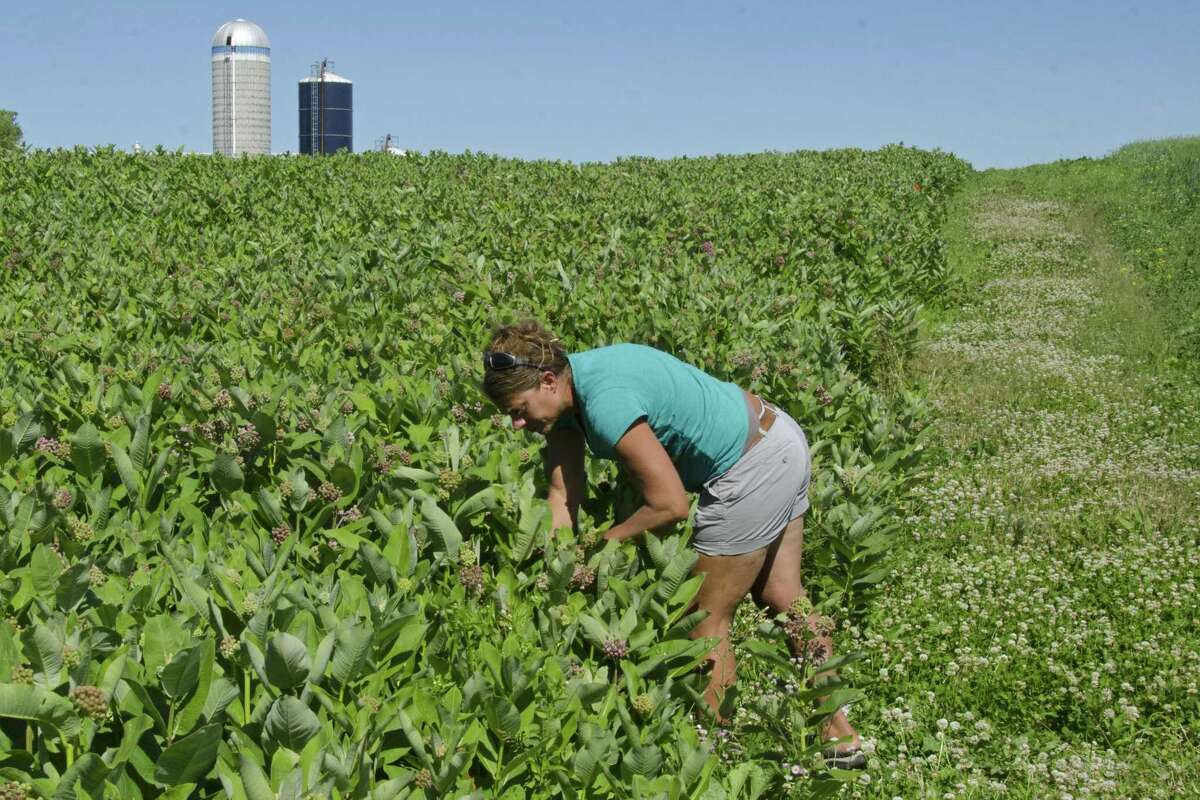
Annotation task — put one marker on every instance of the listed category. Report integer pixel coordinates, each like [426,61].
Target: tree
[10,131]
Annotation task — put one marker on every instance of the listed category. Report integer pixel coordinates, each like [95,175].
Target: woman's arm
[563,459]
[647,461]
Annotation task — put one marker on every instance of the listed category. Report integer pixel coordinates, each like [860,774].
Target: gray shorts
[747,506]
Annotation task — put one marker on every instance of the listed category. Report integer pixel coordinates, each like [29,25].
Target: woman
[676,430]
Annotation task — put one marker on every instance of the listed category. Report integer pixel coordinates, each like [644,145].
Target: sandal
[852,758]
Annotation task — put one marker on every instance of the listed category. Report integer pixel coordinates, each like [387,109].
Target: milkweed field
[261,536]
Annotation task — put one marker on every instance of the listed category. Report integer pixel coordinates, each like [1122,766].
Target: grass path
[1041,634]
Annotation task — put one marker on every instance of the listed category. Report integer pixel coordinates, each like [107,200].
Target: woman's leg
[727,580]
[777,587]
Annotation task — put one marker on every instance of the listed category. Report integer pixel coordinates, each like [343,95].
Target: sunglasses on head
[506,361]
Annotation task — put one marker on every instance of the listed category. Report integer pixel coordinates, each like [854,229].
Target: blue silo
[326,112]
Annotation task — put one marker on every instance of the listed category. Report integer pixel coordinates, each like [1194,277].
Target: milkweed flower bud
[450,479]
[90,701]
[71,656]
[471,577]
[250,605]
[248,437]
[13,790]
[616,649]
[229,646]
[80,530]
[583,577]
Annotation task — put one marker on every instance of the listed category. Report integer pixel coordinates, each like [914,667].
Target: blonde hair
[528,341]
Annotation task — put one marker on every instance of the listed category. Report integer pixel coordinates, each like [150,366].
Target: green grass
[1145,197]
[1038,638]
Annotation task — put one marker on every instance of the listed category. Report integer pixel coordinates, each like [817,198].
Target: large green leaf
[351,652]
[86,774]
[131,734]
[254,780]
[226,474]
[44,568]
[343,476]
[287,661]
[126,472]
[270,507]
[300,490]
[25,431]
[503,717]
[643,760]
[45,648]
[675,573]
[375,566]
[291,723]
[162,637]
[34,704]
[87,450]
[595,630]
[189,759]
[113,670]
[221,693]
[338,433]
[442,529]
[139,448]
[585,765]
[72,585]
[483,500]
[181,675]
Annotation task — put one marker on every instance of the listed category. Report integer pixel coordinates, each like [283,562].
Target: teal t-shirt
[700,421]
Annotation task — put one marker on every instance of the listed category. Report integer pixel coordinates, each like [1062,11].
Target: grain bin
[326,112]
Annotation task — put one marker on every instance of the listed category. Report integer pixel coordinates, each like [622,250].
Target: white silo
[241,89]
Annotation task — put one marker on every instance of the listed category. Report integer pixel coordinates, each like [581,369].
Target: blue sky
[998,83]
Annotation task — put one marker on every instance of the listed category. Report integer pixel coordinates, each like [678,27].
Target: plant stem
[171,722]
[246,696]
[70,755]
[29,737]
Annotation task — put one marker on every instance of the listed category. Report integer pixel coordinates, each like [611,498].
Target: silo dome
[240,33]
